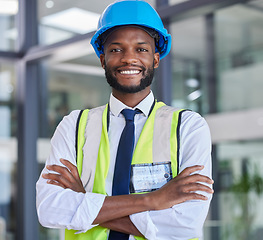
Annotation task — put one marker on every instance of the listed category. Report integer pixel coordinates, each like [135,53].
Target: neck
[131,99]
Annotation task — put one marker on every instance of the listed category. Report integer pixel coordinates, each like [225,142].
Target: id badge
[148,177]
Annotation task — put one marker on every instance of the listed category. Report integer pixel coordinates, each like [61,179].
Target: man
[167,158]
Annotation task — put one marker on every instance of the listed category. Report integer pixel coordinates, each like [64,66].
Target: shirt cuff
[144,224]
[89,210]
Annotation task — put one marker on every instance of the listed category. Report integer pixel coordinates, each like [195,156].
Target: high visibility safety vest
[158,142]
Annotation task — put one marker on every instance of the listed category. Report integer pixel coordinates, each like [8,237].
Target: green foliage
[242,201]
[248,183]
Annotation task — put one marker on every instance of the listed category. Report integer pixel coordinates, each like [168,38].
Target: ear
[156,60]
[102,60]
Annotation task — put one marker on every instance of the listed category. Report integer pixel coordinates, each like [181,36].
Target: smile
[129,72]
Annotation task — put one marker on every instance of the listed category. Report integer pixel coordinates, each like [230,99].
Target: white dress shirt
[64,208]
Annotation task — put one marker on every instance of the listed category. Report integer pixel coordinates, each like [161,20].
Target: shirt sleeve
[64,208]
[185,220]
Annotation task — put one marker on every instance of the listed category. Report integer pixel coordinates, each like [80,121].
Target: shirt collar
[116,106]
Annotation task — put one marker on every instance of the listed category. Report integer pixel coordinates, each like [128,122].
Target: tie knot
[129,114]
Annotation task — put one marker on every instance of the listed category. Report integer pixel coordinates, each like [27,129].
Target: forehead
[129,34]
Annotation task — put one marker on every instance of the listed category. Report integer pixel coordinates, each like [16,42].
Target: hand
[182,188]
[66,177]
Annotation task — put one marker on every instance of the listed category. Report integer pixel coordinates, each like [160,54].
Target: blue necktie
[121,179]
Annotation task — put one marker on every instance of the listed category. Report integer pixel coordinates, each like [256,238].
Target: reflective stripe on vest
[93,147]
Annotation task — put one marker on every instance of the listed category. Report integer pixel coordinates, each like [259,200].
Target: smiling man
[134,168]
[129,61]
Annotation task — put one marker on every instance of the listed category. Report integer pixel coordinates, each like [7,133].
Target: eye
[115,50]
[142,50]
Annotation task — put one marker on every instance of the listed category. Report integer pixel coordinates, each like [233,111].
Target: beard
[145,81]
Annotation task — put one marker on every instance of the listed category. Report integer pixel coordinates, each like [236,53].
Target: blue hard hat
[132,12]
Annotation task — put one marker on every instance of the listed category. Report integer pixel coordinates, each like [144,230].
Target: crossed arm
[115,210]
[63,204]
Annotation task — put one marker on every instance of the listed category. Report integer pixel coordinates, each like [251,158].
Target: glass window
[8,151]
[8,30]
[239,40]
[238,43]
[60,20]
[74,82]
[239,59]
[241,181]
[188,62]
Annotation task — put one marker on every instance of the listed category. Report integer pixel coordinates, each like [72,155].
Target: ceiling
[59,6]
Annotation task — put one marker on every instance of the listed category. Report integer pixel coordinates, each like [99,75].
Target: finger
[58,178]
[189,170]
[73,169]
[62,171]
[198,178]
[56,168]
[196,196]
[55,183]
[191,196]
[193,187]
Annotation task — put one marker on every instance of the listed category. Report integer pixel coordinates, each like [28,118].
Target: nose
[129,57]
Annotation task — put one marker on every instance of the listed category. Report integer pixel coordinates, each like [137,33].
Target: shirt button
[166,175]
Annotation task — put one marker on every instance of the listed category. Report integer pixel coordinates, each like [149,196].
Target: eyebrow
[142,43]
[114,43]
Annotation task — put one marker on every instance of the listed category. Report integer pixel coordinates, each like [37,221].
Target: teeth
[130,72]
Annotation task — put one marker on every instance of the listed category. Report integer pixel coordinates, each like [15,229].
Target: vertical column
[211,77]
[164,72]
[43,100]
[27,167]
[27,99]
[211,81]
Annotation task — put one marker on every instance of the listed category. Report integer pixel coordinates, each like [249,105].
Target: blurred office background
[48,68]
